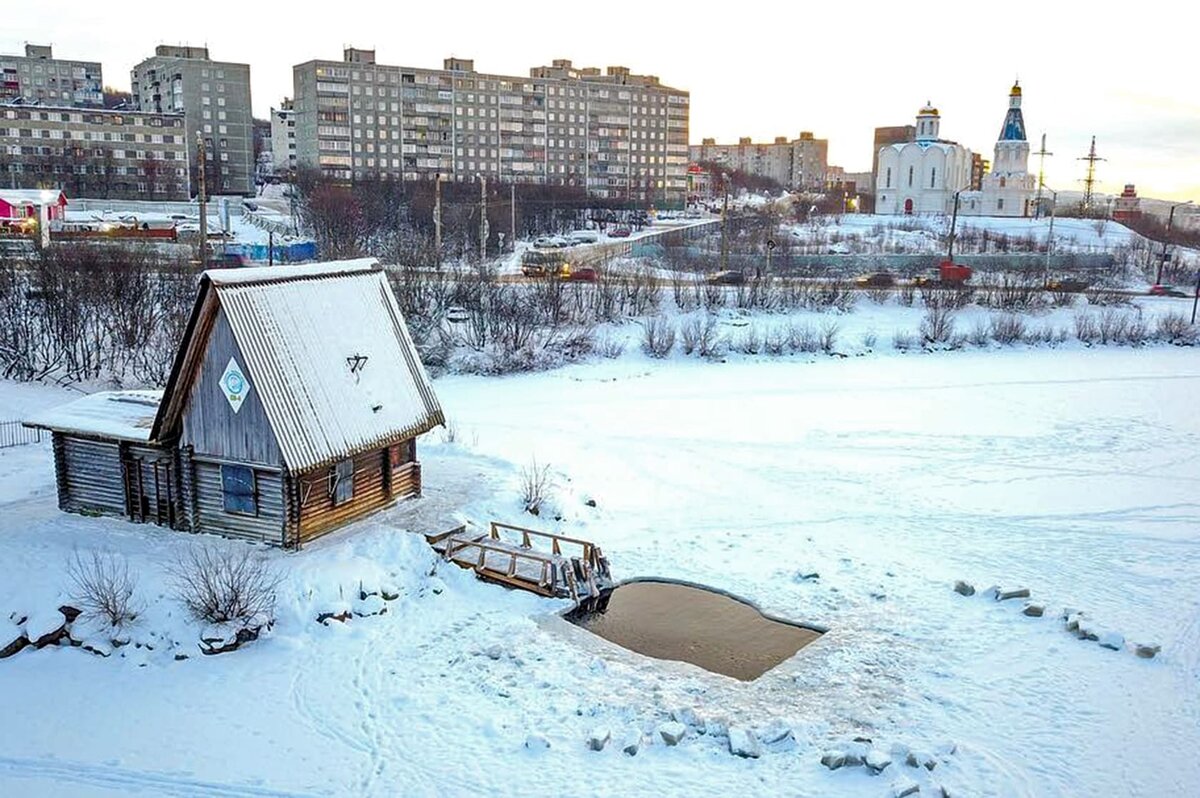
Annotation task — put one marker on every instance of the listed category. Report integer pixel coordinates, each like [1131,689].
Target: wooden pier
[540,562]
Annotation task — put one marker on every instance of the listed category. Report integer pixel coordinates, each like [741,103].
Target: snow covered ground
[1073,472]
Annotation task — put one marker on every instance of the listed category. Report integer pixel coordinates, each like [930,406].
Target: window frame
[227,471]
[341,482]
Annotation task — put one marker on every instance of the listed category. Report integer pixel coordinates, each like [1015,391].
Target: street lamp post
[1050,234]
[1162,258]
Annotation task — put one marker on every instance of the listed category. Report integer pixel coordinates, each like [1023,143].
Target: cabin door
[908,207]
[150,490]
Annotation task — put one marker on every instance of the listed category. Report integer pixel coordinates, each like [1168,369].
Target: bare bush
[225,585]
[775,341]
[905,294]
[450,432]
[1107,297]
[980,334]
[1007,329]
[938,325]
[750,342]
[1174,328]
[658,337]
[1086,329]
[878,295]
[1062,299]
[1113,327]
[828,337]
[610,347]
[904,341]
[869,340]
[802,338]
[689,335]
[103,587]
[535,485]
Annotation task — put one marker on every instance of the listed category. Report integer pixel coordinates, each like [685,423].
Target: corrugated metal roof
[121,415]
[332,361]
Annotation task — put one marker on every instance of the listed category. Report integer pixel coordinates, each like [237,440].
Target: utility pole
[512,211]
[483,220]
[1050,236]
[1089,182]
[437,218]
[953,228]
[200,168]
[1162,258]
[1041,154]
[725,227]
[270,248]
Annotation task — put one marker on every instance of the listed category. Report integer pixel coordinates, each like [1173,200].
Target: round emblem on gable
[235,383]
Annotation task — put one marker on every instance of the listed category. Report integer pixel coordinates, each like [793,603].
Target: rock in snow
[12,638]
[1143,650]
[45,628]
[631,743]
[1073,619]
[672,732]
[1034,610]
[536,742]
[599,738]
[833,759]
[1112,640]
[1012,593]
[688,717]
[904,787]
[744,743]
[877,761]
[778,737]
[917,759]
[964,588]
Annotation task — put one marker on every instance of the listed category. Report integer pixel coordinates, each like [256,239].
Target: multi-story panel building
[617,134]
[797,163]
[40,77]
[94,152]
[214,97]
[283,137]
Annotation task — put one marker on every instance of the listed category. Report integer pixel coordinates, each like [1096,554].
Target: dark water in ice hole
[719,633]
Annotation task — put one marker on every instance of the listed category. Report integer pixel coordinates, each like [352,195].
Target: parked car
[1162,289]
[619,232]
[1067,285]
[456,314]
[551,242]
[876,280]
[727,277]
[583,236]
[533,270]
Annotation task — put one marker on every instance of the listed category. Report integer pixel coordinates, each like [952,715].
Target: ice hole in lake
[708,628]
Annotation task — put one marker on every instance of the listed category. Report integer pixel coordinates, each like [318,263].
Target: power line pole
[437,218]
[1041,154]
[483,220]
[1162,258]
[203,197]
[512,211]
[1089,182]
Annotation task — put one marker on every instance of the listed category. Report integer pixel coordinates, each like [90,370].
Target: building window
[910,175]
[933,177]
[1002,181]
[238,489]
[341,482]
[1000,204]
[889,177]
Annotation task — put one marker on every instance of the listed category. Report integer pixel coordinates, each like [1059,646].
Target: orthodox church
[923,175]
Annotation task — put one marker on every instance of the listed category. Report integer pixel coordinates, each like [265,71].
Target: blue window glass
[237,485]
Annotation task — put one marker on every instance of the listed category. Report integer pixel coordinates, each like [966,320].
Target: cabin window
[237,485]
[341,478]
[910,175]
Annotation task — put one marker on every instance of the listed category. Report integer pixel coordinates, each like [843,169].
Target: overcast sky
[762,69]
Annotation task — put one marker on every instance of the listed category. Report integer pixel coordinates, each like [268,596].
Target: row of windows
[239,487]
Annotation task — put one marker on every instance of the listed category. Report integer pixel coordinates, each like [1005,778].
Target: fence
[12,433]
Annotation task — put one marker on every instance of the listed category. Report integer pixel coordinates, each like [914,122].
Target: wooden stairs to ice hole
[528,560]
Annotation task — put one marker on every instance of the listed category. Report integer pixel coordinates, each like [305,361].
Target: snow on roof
[124,415]
[328,353]
[260,274]
[37,196]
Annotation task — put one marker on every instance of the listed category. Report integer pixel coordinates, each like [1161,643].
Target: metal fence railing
[13,434]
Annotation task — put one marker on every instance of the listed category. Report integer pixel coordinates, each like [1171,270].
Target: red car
[619,232]
[1167,290]
[584,274]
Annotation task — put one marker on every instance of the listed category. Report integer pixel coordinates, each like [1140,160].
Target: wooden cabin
[293,408]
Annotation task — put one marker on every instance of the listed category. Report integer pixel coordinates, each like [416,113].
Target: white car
[583,236]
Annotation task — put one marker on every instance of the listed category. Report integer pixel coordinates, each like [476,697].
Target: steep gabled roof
[327,352]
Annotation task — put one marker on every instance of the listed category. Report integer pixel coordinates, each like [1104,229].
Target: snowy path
[1073,473]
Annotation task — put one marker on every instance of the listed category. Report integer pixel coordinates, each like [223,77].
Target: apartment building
[94,152]
[40,77]
[619,135]
[798,163]
[283,137]
[214,98]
